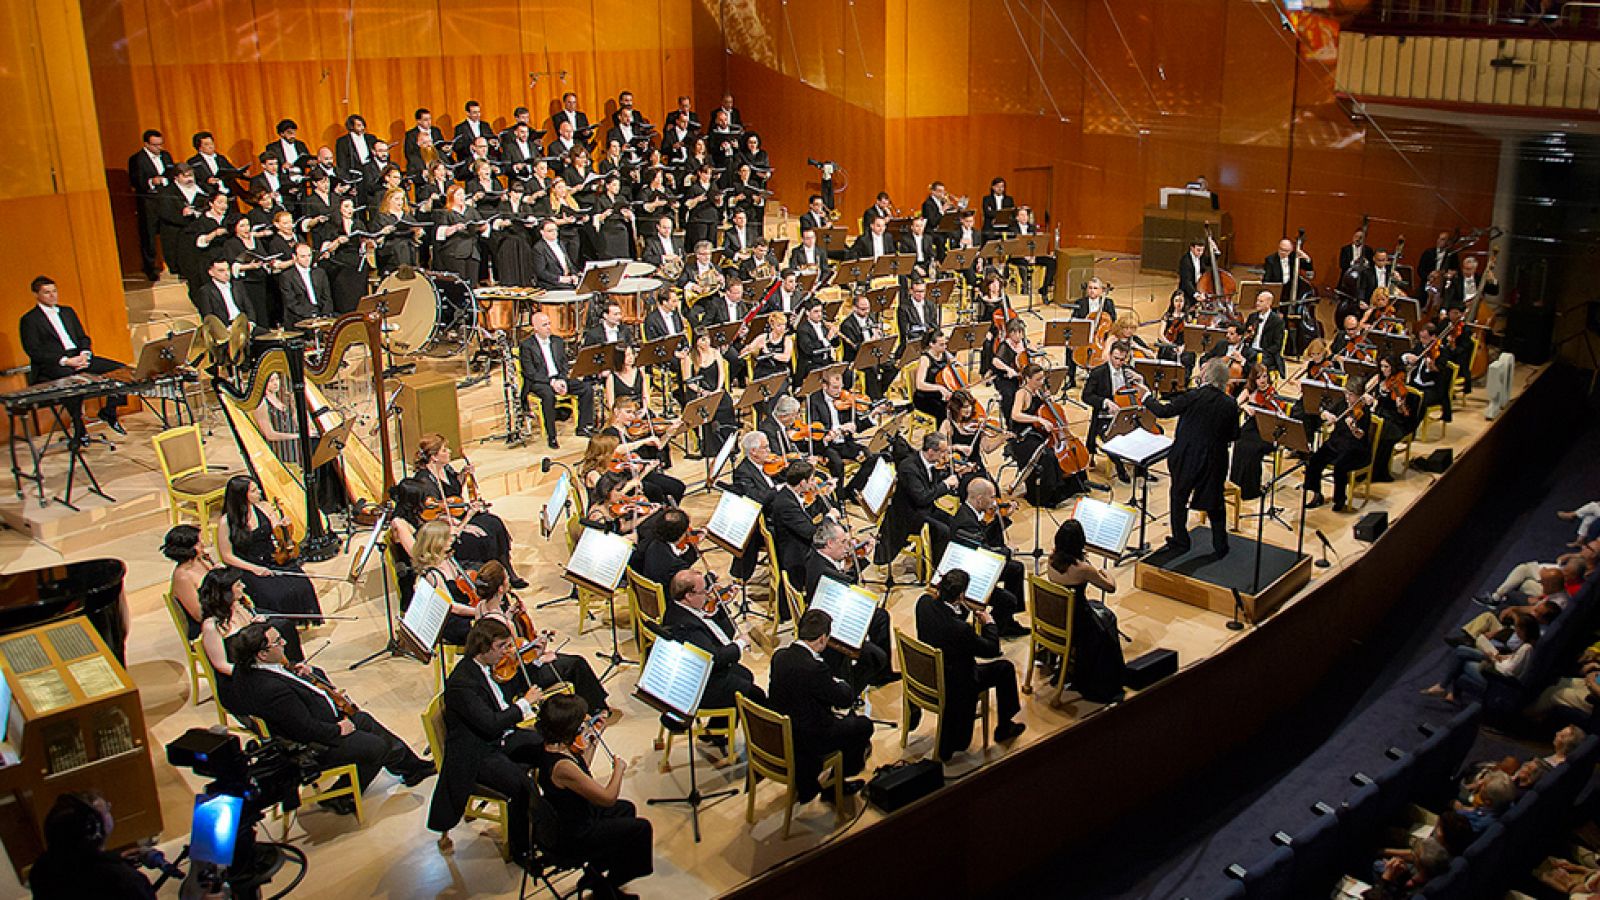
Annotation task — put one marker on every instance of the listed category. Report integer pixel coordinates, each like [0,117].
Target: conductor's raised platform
[1197,578]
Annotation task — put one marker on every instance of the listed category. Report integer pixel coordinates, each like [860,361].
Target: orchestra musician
[662,246]
[972,434]
[545,375]
[928,394]
[1026,226]
[432,560]
[224,610]
[1095,303]
[298,703]
[1190,268]
[1345,448]
[1397,408]
[1048,485]
[665,552]
[778,424]
[981,522]
[695,617]
[1251,448]
[626,379]
[772,347]
[916,315]
[920,480]
[1278,268]
[919,242]
[1230,349]
[937,203]
[1381,274]
[484,747]
[792,520]
[1106,382]
[223,297]
[807,256]
[785,295]
[1357,249]
[750,480]
[185,546]
[616,506]
[650,445]
[1208,421]
[481,535]
[704,371]
[1426,373]
[1441,257]
[834,553]
[547,668]
[842,421]
[610,328]
[1170,346]
[875,241]
[994,201]
[943,623]
[245,541]
[858,328]
[816,341]
[1266,328]
[803,687]
[882,208]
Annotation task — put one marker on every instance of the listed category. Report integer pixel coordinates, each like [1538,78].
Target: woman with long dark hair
[244,541]
[483,535]
[224,609]
[183,545]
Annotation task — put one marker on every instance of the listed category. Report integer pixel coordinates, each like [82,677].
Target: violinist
[1266,330]
[981,522]
[1351,340]
[1425,371]
[929,394]
[751,480]
[1397,408]
[858,328]
[972,433]
[430,558]
[771,349]
[483,744]
[626,421]
[1106,383]
[246,539]
[793,521]
[614,506]
[299,704]
[782,424]
[539,661]
[816,343]
[1345,448]
[1458,345]
[627,380]
[1009,359]
[920,480]
[1180,312]
[694,617]
[1381,274]
[480,534]
[943,623]
[803,687]
[1208,421]
[1251,448]
[834,554]
[1048,486]
[1231,348]
[843,418]
[668,550]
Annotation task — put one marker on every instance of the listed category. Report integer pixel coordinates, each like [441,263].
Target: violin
[627,462]
[340,700]
[453,508]
[466,581]
[690,538]
[506,667]
[1001,510]
[848,401]
[284,548]
[636,506]
[590,732]
[807,431]
[821,487]
[640,429]
[777,462]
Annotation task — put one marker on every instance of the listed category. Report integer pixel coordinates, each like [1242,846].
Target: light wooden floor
[394,855]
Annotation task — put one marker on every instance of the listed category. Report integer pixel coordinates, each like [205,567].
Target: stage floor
[394,855]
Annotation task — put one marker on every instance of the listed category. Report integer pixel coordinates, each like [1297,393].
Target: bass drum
[440,315]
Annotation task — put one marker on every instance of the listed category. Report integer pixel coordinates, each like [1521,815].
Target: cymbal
[279,334]
[317,323]
[238,338]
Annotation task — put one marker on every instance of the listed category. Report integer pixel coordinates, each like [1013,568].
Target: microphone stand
[1238,607]
[545,465]
[1039,512]
[392,647]
[1326,546]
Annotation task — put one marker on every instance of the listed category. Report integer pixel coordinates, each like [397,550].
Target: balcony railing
[1563,18]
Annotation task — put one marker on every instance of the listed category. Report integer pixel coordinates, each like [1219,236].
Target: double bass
[1215,284]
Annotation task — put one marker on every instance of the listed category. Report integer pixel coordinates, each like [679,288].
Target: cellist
[1100,391]
[1095,305]
[931,394]
[1048,484]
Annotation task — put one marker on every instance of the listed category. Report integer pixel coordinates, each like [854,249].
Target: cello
[1070,453]
[1483,314]
[1215,284]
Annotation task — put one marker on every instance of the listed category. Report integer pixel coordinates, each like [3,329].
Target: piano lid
[43,595]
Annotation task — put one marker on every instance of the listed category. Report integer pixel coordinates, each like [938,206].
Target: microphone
[820,165]
[1327,546]
[544,465]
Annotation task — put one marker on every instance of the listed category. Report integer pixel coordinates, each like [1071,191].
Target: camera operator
[289,699]
[75,863]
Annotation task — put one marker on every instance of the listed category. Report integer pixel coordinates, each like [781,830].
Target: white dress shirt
[53,314]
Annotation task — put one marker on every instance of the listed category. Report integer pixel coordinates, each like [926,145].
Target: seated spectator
[1576,693]
[1566,741]
[1498,626]
[1468,665]
[1494,794]
[1524,579]
[1588,518]
[1401,876]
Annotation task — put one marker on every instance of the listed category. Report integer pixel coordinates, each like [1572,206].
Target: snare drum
[562,307]
[440,315]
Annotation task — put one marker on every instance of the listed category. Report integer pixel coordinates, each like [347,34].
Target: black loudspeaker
[1372,526]
[897,785]
[1150,668]
[1435,462]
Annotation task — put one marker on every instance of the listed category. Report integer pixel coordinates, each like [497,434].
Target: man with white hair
[1208,421]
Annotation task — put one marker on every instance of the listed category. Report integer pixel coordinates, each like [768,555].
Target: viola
[284,548]
[849,401]
[627,462]
[454,507]
[821,487]
[340,700]
[467,583]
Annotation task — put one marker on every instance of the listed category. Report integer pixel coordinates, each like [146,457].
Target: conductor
[1208,421]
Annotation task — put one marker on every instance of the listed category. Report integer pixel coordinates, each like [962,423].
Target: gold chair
[921,548]
[1435,414]
[923,687]
[1404,444]
[702,725]
[326,786]
[649,604]
[780,590]
[1050,614]
[490,806]
[444,661]
[588,598]
[1361,479]
[769,740]
[190,483]
[921,422]
[194,655]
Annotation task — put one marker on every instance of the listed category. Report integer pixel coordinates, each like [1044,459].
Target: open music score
[982,566]
[556,503]
[599,559]
[875,493]
[1138,447]
[1106,526]
[732,521]
[674,678]
[851,609]
[423,619]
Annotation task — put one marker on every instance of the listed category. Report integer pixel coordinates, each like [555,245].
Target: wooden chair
[921,422]
[921,547]
[701,724]
[444,660]
[191,484]
[588,599]
[1405,443]
[1435,414]
[194,655]
[781,591]
[1361,479]
[923,687]
[535,408]
[649,604]
[769,740]
[1050,614]
[491,806]
[326,786]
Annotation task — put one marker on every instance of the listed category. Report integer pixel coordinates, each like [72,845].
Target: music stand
[723,335]
[160,357]
[1106,526]
[597,563]
[673,682]
[422,620]
[1027,248]
[967,337]
[1409,311]
[1004,218]
[388,304]
[894,265]
[960,260]
[1160,375]
[833,239]
[873,353]
[993,252]
[1358,368]
[1316,395]
[1057,334]
[983,565]
[852,271]
[813,382]
[761,390]
[910,352]
[1390,344]
[1055,382]
[601,277]
[879,486]
[698,412]
[949,222]
[721,460]
[660,351]
[1283,433]
[806,282]
[331,444]
[941,290]
[882,298]
[850,607]
[1140,449]
[594,359]
[1197,339]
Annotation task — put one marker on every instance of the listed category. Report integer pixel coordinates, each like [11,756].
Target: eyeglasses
[276,642]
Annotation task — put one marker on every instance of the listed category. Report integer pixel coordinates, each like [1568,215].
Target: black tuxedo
[932,213]
[579,120]
[819,258]
[656,324]
[1366,283]
[658,561]
[1080,307]
[345,154]
[749,481]
[142,170]
[910,242]
[653,253]
[483,746]
[792,527]
[1347,256]
[730,242]
[812,351]
[176,244]
[728,674]
[912,506]
[547,269]
[297,304]
[965,678]
[275,150]
[814,221]
[464,135]
[1208,421]
[801,686]
[1432,260]
[872,663]
[1189,271]
[536,378]
[45,351]
[410,149]
[212,181]
[862,248]
[911,323]
[991,208]
[967,527]
[1271,333]
[299,712]
[1276,271]
[713,310]
[209,299]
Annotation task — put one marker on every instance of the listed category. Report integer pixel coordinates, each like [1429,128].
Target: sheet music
[1137,446]
[557,501]
[600,558]
[982,566]
[733,520]
[724,455]
[851,609]
[425,616]
[676,674]
[1106,526]
[875,493]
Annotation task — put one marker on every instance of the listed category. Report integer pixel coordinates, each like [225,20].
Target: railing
[1500,16]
